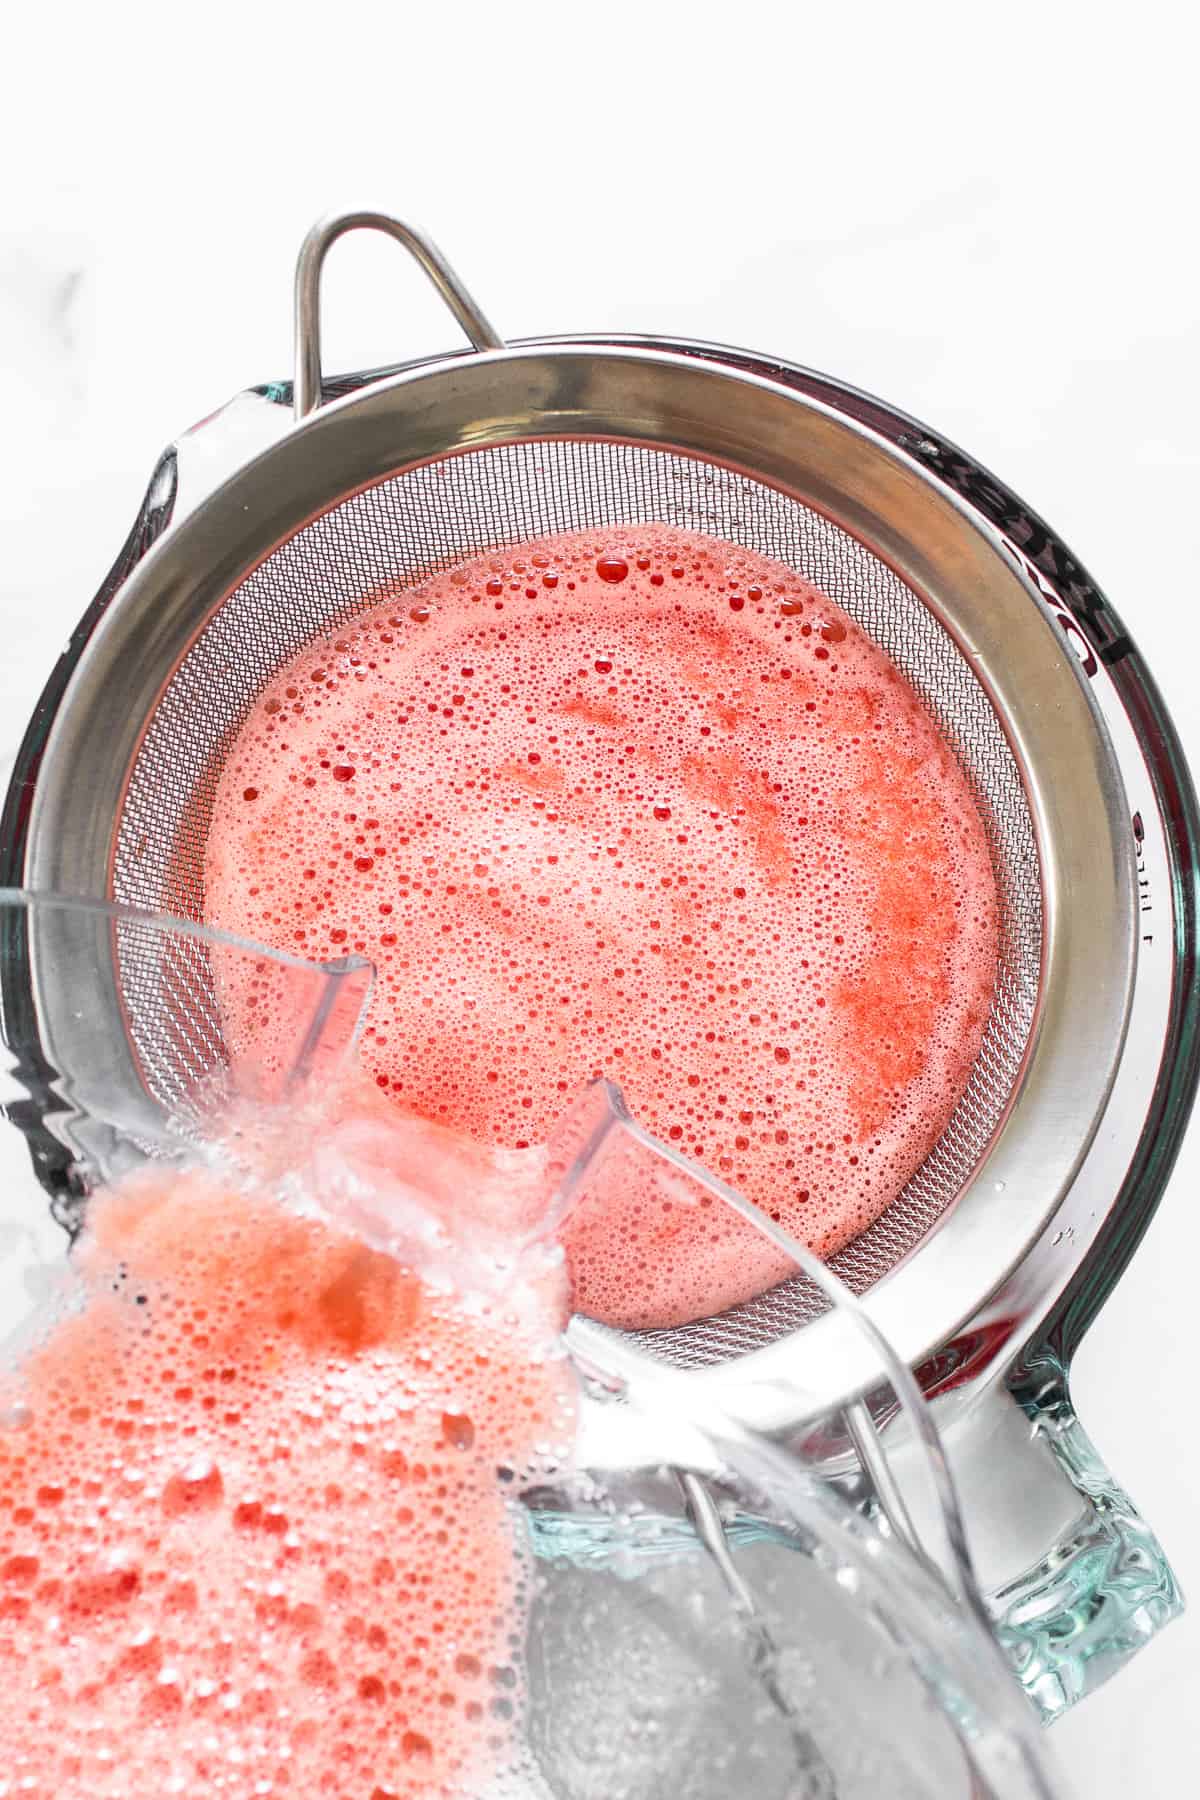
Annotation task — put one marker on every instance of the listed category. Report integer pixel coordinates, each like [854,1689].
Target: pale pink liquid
[252,1536]
[646,806]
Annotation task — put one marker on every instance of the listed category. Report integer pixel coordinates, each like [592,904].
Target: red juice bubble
[612,568]
[752,817]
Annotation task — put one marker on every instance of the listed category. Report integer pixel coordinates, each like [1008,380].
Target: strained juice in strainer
[641,805]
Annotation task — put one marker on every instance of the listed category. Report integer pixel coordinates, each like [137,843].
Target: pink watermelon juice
[646,806]
[256,1502]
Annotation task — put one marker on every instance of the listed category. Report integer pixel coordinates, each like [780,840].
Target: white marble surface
[986,215]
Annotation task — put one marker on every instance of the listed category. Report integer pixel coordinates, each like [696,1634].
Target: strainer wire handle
[313,251]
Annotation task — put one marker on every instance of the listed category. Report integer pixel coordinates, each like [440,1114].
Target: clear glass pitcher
[712,1609]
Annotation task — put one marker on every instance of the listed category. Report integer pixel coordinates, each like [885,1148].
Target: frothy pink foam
[640,805]
[252,1536]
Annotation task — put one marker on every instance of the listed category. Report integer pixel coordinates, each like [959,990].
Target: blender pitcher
[708,1609]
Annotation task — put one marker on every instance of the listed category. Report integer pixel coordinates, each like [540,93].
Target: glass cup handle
[1073,1577]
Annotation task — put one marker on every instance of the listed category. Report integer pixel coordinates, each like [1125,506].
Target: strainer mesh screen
[392,535]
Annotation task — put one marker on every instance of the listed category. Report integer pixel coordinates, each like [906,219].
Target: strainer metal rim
[828,462]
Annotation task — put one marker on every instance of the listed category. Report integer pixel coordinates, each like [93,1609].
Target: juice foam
[257,1527]
[641,805]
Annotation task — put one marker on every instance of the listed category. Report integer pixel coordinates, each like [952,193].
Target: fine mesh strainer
[440,513]
[415,470]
